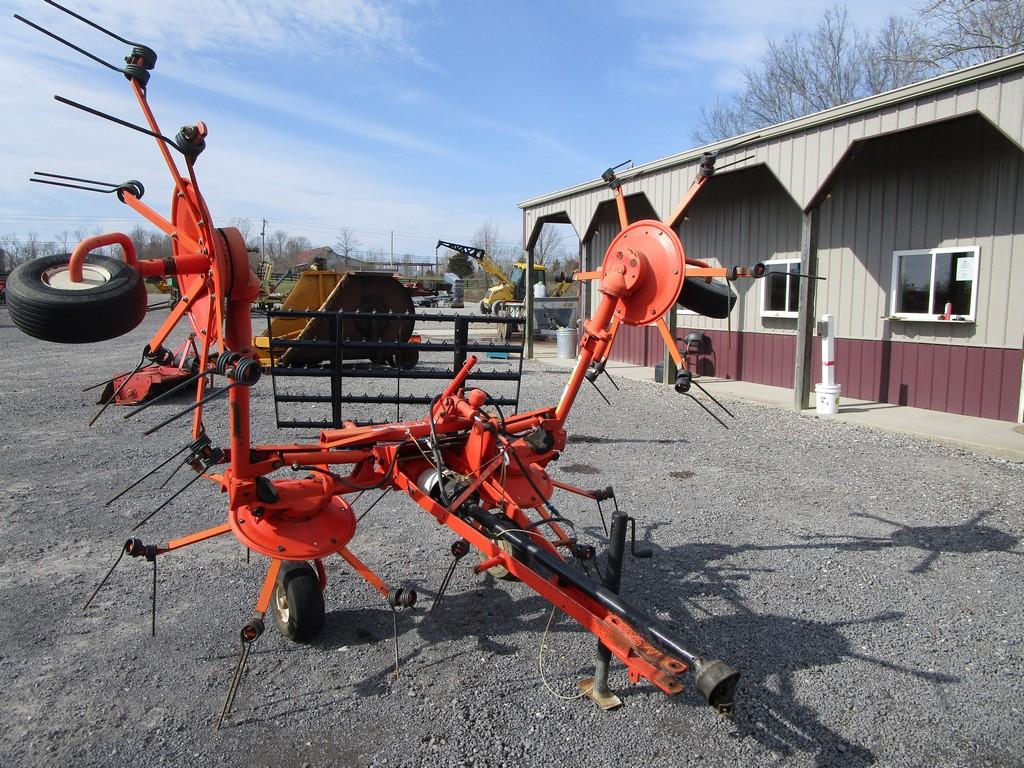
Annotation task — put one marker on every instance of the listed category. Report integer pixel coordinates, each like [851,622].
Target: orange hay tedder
[468,466]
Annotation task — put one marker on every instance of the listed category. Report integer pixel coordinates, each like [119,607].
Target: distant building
[909,203]
[336,260]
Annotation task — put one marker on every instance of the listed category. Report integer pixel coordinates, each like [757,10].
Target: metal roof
[937,84]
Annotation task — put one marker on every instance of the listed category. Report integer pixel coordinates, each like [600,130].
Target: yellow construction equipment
[378,295]
[510,287]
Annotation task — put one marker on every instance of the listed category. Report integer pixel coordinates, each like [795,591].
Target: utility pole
[263,242]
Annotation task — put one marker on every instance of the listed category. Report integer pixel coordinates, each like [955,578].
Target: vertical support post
[668,363]
[528,298]
[805,312]
[597,687]
[1020,401]
[336,363]
[461,340]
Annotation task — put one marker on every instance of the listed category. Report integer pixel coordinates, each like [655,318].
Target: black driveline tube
[715,679]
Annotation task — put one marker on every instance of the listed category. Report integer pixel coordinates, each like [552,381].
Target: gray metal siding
[962,189]
[951,184]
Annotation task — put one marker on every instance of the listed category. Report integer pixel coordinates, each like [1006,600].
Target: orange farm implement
[478,472]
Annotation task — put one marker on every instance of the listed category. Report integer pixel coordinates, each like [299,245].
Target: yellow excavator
[510,287]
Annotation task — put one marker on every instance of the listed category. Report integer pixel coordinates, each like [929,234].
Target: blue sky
[422,117]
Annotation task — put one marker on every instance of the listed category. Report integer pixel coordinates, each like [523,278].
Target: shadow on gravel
[769,650]
[608,440]
[966,538]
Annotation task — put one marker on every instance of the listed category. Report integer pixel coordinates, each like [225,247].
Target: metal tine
[173,390]
[70,45]
[104,579]
[605,372]
[72,186]
[707,410]
[119,121]
[734,162]
[236,680]
[111,379]
[151,472]
[191,408]
[594,385]
[92,24]
[152,629]
[715,401]
[172,497]
[173,473]
[394,619]
[74,178]
[116,392]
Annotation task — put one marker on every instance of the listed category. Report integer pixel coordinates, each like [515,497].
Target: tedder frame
[465,464]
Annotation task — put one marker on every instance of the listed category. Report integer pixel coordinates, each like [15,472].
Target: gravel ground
[867,585]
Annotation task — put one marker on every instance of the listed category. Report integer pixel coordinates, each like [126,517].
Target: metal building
[909,203]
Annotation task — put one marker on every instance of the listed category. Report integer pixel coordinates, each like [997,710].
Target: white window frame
[791,284]
[928,317]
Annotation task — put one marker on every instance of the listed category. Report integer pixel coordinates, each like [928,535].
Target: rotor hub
[307,530]
[644,268]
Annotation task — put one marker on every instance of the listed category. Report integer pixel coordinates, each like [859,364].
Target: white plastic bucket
[565,340]
[827,398]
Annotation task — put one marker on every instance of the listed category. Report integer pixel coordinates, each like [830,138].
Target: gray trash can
[565,339]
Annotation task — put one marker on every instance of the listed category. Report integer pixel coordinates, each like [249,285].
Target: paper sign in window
[964,268]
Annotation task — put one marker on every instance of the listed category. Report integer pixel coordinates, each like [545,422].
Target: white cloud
[688,35]
[312,187]
[308,28]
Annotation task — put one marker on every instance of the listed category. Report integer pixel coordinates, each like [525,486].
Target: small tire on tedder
[44,303]
[298,602]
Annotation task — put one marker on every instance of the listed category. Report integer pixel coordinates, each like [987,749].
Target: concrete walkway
[1000,439]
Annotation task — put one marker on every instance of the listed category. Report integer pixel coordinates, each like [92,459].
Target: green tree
[460,264]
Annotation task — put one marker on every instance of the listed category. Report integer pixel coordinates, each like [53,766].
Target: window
[927,283]
[780,288]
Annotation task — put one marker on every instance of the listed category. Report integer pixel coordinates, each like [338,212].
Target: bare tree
[549,244]
[347,243]
[803,73]
[275,248]
[969,32]
[489,239]
[9,255]
[377,254]
[32,247]
[246,228]
[293,247]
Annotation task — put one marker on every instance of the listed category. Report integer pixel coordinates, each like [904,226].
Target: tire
[45,304]
[715,299]
[406,359]
[298,602]
[500,571]
[485,309]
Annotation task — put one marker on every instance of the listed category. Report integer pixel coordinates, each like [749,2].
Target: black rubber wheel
[298,602]
[44,303]
[485,309]
[715,299]
[406,359]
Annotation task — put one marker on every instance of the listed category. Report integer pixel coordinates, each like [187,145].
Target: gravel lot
[867,585]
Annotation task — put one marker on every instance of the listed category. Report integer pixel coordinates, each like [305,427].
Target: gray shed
[909,203]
